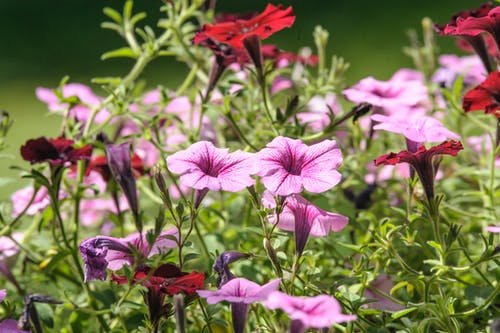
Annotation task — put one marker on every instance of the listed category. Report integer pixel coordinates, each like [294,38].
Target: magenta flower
[318,111]
[102,252]
[304,218]
[240,292]
[318,312]
[84,101]
[287,166]
[404,92]
[3,294]
[203,166]
[417,129]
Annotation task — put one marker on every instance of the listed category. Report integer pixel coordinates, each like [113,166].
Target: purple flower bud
[221,265]
[119,163]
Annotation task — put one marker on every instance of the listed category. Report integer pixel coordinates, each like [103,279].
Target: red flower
[485,97]
[469,24]
[422,161]
[452,27]
[273,19]
[100,164]
[167,279]
[55,151]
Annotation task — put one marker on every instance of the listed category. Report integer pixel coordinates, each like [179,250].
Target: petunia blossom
[21,199]
[318,312]
[103,252]
[203,166]
[80,108]
[404,93]
[271,20]
[423,162]
[494,229]
[57,151]
[10,326]
[286,166]
[304,218]
[240,292]
[453,66]
[383,283]
[485,96]
[417,129]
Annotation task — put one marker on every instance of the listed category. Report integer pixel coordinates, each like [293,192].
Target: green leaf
[124,52]
[112,14]
[191,256]
[107,80]
[402,313]
[112,26]
[138,17]
[127,9]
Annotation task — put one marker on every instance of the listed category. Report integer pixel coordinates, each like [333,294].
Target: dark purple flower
[103,252]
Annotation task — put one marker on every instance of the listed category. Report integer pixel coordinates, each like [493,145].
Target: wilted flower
[287,166]
[103,252]
[318,312]
[240,292]
[304,219]
[203,166]
[57,151]
[485,96]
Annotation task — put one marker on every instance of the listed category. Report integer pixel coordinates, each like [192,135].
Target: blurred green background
[44,40]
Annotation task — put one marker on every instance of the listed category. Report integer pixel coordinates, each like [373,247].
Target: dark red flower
[423,161]
[451,28]
[485,97]
[469,24]
[273,19]
[167,279]
[491,46]
[55,151]
[100,164]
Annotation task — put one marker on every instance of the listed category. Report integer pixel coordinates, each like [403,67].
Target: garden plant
[262,194]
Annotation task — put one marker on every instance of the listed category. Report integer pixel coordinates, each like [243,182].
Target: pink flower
[3,294]
[481,145]
[94,210]
[384,284]
[21,198]
[418,129]
[240,292]
[318,312]
[288,165]
[85,100]
[495,229]
[402,93]
[10,326]
[304,218]
[203,166]
[469,67]
[103,252]
[318,112]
